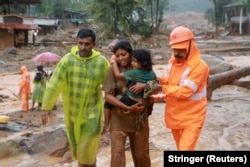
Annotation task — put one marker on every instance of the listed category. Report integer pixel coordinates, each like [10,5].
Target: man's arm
[55,85]
[196,79]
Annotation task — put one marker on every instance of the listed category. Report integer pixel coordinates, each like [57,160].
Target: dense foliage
[122,16]
[117,16]
[128,16]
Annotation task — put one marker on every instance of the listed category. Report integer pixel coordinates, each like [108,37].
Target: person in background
[111,47]
[39,87]
[24,88]
[185,88]
[79,76]
[123,125]
[34,34]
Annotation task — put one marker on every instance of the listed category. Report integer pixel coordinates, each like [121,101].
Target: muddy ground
[226,127]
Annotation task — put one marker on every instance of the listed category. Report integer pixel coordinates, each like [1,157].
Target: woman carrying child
[123,124]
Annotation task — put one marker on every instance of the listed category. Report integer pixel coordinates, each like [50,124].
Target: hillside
[178,6]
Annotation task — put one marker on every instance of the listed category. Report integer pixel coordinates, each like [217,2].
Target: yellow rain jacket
[79,79]
[185,88]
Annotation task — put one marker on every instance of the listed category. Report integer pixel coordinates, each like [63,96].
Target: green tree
[58,7]
[157,8]
[45,9]
[14,7]
[218,11]
[242,1]
[116,15]
[52,9]
[78,5]
[123,16]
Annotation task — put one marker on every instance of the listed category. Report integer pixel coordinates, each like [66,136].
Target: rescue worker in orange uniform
[185,87]
[24,88]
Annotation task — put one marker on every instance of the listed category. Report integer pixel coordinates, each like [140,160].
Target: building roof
[19,26]
[236,4]
[5,2]
[75,12]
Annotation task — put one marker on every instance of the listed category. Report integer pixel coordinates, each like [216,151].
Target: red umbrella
[47,57]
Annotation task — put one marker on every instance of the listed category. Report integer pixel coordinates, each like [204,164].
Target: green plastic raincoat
[79,79]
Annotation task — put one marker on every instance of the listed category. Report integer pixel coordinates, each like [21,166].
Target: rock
[60,149]
[3,64]
[66,157]
[158,57]
[12,126]
[216,65]
[246,43]
[12,50]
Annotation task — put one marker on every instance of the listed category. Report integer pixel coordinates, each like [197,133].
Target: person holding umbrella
[47,58]
[39,83]
[79,76]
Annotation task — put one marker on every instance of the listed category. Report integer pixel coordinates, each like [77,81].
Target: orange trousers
[25,101]
[186,139]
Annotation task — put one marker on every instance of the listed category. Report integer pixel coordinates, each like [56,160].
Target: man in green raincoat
[79,76]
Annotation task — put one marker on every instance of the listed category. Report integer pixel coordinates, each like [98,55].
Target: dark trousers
[125,99]
[139,146]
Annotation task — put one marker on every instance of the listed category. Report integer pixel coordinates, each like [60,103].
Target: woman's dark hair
[86,32]
[39,67]
[123,44]
[144,58]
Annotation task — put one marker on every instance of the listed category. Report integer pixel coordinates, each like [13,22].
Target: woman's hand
[137,108]
[157,89]
[137,88]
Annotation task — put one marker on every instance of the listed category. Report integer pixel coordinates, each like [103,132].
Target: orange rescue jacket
[24,84]
[185,88]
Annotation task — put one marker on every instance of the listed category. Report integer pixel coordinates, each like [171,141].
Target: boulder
[216,64]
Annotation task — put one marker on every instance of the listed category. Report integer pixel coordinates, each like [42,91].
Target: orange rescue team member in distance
[185,88]
[24,88]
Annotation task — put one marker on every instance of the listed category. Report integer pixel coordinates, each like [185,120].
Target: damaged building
[15,29]
[237,17]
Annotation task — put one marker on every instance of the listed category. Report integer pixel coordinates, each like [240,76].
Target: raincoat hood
[74,52]
[24,69]
[193,53]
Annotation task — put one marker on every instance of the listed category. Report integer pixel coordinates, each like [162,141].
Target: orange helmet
[180,34]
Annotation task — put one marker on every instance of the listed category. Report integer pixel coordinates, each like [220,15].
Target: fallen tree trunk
[13,73]
[226,49]
[244,84]
[217,80]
